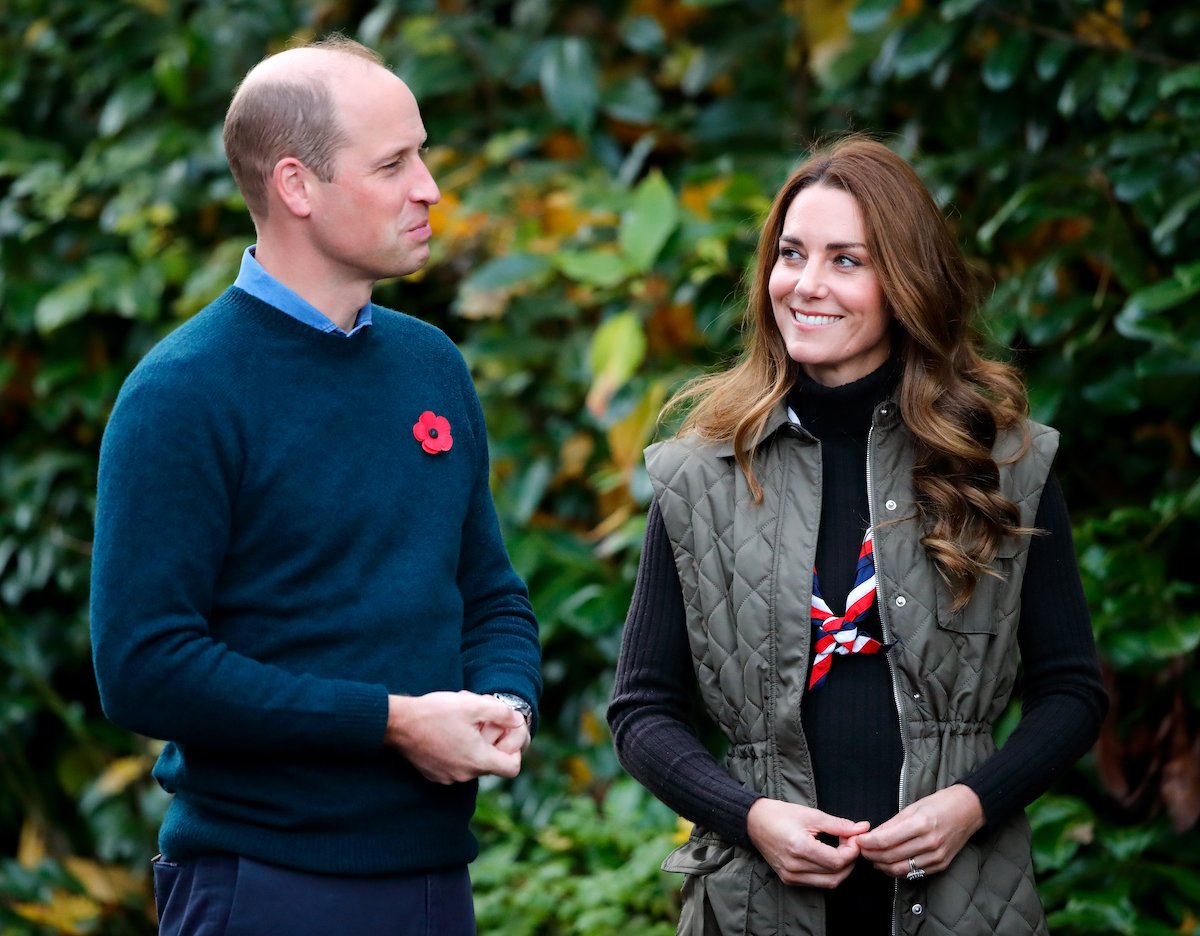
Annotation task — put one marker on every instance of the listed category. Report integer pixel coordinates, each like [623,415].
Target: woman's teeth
[801,318]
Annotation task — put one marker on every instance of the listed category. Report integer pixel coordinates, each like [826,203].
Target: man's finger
[502,763]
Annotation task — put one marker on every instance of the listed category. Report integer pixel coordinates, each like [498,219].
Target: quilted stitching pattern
[718,534]
[954,671]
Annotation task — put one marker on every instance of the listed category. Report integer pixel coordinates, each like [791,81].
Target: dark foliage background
[604,165]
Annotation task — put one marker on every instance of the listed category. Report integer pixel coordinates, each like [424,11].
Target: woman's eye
[843,260]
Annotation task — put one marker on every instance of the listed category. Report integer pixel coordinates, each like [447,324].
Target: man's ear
[292,182]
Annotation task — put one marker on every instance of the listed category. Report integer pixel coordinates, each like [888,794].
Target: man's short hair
[273,118]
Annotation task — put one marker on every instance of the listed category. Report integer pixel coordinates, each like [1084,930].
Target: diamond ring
[914,873]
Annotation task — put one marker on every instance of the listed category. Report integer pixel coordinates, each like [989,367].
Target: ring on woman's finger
[914,873]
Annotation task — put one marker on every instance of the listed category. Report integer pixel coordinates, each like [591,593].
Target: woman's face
[824,290]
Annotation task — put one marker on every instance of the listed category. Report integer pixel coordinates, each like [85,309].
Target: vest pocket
[982,614]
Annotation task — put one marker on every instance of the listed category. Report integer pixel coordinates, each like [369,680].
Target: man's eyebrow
[402,150]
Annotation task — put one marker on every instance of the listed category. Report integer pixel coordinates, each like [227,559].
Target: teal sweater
[274,555]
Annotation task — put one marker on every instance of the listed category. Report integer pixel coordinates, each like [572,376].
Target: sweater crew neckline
[276,321]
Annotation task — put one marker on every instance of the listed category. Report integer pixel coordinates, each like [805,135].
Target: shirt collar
[260,284]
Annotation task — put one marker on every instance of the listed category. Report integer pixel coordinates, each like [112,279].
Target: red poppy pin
[433,432]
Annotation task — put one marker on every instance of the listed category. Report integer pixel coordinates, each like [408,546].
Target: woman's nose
[810,282]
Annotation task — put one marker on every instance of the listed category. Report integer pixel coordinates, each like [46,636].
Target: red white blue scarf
[839,634]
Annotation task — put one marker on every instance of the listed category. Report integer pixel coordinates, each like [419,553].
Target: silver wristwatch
[517,704]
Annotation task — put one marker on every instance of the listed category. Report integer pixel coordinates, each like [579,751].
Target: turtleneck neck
[844,410]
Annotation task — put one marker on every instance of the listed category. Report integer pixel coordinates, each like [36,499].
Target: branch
[1100,45]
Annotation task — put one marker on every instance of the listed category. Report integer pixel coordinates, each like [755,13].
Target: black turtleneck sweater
[850,721]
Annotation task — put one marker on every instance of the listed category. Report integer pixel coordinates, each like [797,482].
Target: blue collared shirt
[262,285]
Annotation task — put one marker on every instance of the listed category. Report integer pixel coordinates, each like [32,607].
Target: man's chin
[413,265]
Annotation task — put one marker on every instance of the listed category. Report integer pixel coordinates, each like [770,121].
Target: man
[298,579]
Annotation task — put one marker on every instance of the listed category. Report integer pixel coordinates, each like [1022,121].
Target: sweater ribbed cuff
[361,715]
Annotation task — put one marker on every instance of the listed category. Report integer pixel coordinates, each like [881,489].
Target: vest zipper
[887,639]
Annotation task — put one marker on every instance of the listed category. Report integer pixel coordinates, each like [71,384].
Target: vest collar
[776,421]
[887,414]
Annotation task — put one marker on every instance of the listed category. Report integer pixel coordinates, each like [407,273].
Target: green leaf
[1142,143]
[1116,87]
[649,221]
[531,487]
[869,15]
[1139,318]
[1135,179]
[1006,61]
[921,48]
[65,303]
[633,100]
[1179,212]
[642,33]
[617,349]
[1116,392]
[1051,58]
[1182,79]
[1015,202]
[570,81]
[509,271]
[955,9]
[129,103]
[593,267]
[1080,87]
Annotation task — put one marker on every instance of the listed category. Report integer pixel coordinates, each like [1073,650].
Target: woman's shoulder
[687,455]
[1027,438]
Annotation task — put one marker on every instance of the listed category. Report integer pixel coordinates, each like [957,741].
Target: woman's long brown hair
[952,399]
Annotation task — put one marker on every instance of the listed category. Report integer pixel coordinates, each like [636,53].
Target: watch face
[516,703]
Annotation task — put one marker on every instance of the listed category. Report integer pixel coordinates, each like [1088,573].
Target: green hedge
[604,165]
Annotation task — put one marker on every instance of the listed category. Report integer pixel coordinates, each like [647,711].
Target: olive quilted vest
[749,632]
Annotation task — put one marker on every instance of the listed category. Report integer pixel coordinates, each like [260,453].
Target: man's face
[371,221]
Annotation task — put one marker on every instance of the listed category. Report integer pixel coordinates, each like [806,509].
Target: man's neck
[308,276]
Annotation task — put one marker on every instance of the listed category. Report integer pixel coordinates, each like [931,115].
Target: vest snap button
[916,695]
[901,601]
[890,505]
[918,909]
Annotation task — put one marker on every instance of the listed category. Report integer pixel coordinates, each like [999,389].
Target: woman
[854,539]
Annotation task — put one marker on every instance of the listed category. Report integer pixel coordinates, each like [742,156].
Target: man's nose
[426,189]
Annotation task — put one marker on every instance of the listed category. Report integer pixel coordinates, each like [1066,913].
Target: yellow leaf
[592,729]
[573,455]
[452,223]
[555,841]
[629,436]
[64,912]
[32,846]
[1102,30]
[563,146]
[579,772]
[698,196]
[614,520]
[107,884]
[826,28]
[675,16]
[683,830]
[560,216]
[35,31]
[121,773]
